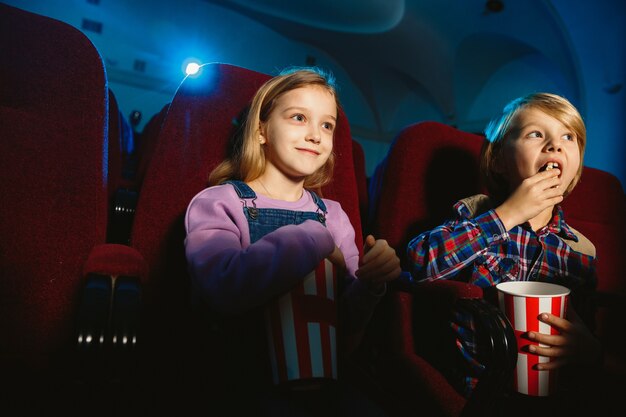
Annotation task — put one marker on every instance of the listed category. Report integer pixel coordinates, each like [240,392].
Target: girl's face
[536,141]
[299,132]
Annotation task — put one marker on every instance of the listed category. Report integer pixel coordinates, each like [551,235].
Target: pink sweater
[233,276]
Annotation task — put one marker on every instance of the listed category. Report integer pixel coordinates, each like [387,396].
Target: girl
[259,228]
[532,159]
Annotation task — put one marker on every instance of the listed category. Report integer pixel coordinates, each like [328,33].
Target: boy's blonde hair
[498,131]
[247,161]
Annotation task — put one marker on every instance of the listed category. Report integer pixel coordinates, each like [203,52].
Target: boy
[531,161]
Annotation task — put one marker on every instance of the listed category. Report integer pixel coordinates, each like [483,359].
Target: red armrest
[115,259]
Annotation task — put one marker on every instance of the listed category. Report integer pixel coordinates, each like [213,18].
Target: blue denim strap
[244,191]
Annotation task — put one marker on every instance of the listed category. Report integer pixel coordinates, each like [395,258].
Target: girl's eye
[298,117]
[534,134]
[569,137]
[328,126]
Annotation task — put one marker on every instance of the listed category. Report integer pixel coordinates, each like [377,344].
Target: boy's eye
[534,134]
[569,137]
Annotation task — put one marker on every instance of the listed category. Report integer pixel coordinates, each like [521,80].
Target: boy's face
[299,131]
[535,140]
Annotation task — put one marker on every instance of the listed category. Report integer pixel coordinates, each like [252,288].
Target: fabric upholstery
[597,208]
[116,260]
[428,167]
[361,179]
[53,125]
[115,156]
[419,181]
[146,144]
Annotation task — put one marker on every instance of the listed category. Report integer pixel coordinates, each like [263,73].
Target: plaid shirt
[477,249]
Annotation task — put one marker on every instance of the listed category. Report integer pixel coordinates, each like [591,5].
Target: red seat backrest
[146,144]
[115,155]
[428,168]
[361,179]
[53,118]
[597,208]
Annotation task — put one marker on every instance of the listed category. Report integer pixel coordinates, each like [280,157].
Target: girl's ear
[262,134]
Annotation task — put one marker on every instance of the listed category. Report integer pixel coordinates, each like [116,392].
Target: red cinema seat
[429,166]
[53,120]
[361,179]
[115,155]
[129,156]
[596,208]
[147,143]
[121,182]
[53,218]
[421,180]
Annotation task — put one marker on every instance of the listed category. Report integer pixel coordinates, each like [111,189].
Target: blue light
[192,68]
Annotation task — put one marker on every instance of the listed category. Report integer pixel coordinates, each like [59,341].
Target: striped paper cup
[301,326]
[522,302]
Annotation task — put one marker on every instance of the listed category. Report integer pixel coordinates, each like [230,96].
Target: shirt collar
[558,226]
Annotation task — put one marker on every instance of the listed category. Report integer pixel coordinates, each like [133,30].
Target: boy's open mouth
[549,166]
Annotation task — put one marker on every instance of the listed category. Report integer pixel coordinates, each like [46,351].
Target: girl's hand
[337,258]
[575,344]
[379,263]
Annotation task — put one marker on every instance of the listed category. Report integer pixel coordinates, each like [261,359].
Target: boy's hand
[531,197]
[575,344]
[379,263]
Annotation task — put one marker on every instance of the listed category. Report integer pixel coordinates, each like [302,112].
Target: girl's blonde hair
[247,159]
[499,129]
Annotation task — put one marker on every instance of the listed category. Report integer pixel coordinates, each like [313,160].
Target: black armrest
[94,313]
[108,327]
[125,313]
[499,346]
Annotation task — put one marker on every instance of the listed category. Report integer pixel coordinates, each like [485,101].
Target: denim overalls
[300,324]
[262,221]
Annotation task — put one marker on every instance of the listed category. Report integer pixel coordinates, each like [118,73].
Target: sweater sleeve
[233,275]
[444,251]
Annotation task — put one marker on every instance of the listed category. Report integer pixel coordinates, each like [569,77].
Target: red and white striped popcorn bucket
[522,302]
[301,328]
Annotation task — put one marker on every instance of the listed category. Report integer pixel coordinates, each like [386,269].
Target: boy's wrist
[506,216]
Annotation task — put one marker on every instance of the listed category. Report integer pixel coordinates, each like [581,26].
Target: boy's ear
[498,166]
[572,184]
